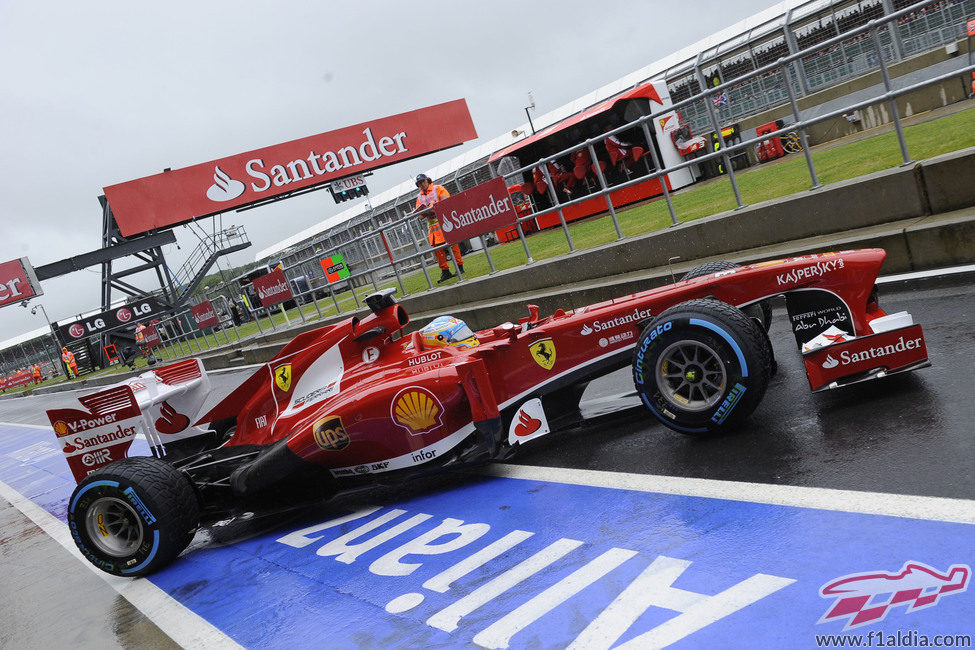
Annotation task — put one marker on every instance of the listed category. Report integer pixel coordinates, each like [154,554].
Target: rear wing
[159,406]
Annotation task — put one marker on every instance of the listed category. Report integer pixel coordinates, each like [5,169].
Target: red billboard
[17,282]
[272,288]
[14,380]
[476,211]
[204,314]
[151,337]
[181,195]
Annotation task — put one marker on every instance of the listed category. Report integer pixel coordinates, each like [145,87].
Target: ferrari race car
[360,401]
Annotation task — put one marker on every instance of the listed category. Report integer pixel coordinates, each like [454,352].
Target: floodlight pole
[54,361]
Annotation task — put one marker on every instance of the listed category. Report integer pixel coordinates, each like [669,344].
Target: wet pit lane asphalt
[907,434]
[903,435]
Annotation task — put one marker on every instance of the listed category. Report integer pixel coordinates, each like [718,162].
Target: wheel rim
[691,376]
[114,527]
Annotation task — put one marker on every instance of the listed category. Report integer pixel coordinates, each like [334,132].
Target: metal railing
[386,255]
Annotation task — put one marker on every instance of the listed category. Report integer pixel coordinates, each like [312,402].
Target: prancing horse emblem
[543,352]
[282,377]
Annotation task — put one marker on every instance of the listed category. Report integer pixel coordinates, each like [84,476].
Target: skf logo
[282,377]
[417,410]
[916,585]
[329,433]
[543,352]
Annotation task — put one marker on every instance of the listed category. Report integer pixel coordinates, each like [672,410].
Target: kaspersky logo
[863,598]
[224,188]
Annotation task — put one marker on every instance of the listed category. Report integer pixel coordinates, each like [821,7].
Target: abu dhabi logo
[224,188]
[864,598]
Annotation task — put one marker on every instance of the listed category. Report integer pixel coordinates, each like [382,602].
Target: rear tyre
[133,517]
[761,311]
[701,367]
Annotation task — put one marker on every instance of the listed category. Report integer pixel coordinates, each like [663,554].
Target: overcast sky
[99,93]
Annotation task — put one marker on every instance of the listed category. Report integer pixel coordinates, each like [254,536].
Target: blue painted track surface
[646,567]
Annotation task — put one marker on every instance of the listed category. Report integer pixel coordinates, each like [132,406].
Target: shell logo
[60,427]
[417,410]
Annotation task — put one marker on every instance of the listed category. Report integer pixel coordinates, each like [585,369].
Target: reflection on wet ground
[48,599]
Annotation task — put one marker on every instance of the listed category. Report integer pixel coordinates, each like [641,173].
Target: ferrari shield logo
[543,352]
[282,377]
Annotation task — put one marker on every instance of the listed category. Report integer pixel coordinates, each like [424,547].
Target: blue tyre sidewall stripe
[155,533]
[152,554]
[670,422]
[93,484]
[727,337]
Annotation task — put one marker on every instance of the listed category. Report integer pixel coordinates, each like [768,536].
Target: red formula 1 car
[358,401]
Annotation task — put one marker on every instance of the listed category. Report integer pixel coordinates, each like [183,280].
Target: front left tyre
[134,516]
[702,366]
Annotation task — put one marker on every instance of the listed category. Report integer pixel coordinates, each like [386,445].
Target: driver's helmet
[447,330]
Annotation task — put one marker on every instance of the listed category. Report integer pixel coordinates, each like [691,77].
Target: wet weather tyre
[761,311]
[701,367]
[134,516]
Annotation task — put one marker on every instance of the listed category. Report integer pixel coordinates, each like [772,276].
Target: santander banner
[102,434]
[204,314]
[272,288]
[181,195]
[17,282]
[476,211]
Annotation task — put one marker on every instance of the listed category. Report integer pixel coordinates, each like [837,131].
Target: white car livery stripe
[417,457]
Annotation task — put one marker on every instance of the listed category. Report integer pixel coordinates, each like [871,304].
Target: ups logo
[329,433]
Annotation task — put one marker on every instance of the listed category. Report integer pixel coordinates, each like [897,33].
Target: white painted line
[46,427]
[222,371]
[872,503]
[182,625]
[918,275]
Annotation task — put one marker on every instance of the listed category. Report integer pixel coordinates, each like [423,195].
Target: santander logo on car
[848,357]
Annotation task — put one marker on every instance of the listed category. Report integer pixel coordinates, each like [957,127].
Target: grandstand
[788,27]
